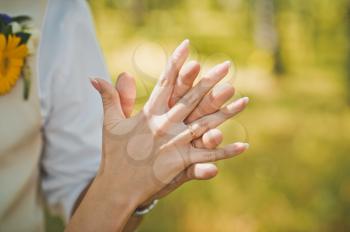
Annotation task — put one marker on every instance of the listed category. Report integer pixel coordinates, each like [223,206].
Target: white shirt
[72,111]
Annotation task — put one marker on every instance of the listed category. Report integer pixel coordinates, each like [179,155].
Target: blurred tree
[266,32]
[138,9]
[347,62]
[296,178]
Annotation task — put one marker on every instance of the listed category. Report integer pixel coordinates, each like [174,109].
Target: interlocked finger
[184,82]
[212,155]
[201,171]
[187,104]
[158,101]
[210,139]
[212,101]
[202,125]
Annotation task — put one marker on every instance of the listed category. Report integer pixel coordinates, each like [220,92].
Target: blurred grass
[295,176]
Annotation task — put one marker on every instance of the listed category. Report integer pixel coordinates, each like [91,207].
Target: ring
[193,134]
[193,143]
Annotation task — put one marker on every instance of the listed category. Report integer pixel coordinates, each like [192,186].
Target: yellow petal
[12,57]
[18,63]
[12,42]
[19,52]
[2,42]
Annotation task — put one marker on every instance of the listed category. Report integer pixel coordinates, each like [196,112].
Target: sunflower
[12,55]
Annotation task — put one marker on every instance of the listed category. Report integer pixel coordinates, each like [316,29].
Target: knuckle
[158,125]
[206,82]
[202,109]
[212,100]
[163,81]
[108,99]
[203,85]
[210,156]
[159,131]
[226,113]
[197,143]
[190,99]
[205,125]
[221,154]
[173,62]
[214,105]
[172,67]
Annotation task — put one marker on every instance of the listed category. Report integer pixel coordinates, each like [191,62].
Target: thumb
[126,88]
[110,99]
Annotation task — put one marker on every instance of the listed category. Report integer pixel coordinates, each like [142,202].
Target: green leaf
[21,19]
[24,37]
[26,81]
[26,88]
[7,30]
[2,25]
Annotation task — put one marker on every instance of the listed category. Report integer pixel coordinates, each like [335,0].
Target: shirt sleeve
[72,110]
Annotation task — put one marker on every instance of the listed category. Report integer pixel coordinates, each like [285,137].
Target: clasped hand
[174,137]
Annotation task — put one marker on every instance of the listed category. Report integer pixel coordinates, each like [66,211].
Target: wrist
[117,194]
[103,208]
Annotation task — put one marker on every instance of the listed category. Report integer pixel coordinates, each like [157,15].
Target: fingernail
[186,41]
[238,105]
[120,75]
[240,147]
[95,83]
[184,44]
[245,100]
[237,148]
[223,67]
[246,145]
[180,49]
[228,63]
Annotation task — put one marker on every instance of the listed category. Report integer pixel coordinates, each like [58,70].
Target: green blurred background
[292,58]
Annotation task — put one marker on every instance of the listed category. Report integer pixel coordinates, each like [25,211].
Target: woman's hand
[144,153]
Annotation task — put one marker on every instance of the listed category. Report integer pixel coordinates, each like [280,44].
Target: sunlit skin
[211,103]
[173,139]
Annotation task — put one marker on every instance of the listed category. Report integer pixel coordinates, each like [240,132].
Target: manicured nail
[237,105]
[240,147]
[186,41]
[237,148]
[245,100]
[179,51]
[120,75]
[95,83]
[246,145]
[219,68]
[228,63]
[183,44]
